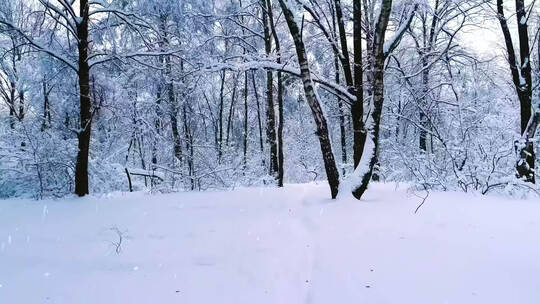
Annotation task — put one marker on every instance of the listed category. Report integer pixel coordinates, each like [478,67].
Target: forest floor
[267,245]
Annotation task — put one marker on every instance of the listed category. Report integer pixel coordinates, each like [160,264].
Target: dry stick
[423,199]
[129,180]
[118,245]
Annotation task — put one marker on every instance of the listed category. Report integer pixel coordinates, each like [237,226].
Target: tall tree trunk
[46,108]
[270,112]
[355,85]
[245,118]
[522,79]
[259,119]
[376,59]
[428,46]
[81,167]
[246,91]
[347,71]
[230,120]
[11,103]
[157,124]
[173,104]
[309,90]
[189,148]
[342,130]
[21,105]
[357,108]
[279,96]
[220,118]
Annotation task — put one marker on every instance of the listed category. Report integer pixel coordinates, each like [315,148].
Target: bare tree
[522,80]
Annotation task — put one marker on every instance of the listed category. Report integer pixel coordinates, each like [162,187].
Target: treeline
[98,96]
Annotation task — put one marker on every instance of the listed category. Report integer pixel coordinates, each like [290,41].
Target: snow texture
[266,245]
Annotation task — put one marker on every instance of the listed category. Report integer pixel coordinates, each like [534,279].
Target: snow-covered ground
[266,245]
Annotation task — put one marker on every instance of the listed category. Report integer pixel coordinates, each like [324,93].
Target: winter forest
[100,96]
[281,103]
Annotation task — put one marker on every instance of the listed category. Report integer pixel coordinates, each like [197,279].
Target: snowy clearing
[266,245]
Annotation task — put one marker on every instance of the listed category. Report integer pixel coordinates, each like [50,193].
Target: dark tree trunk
[355,85]
[342,129]
[522,79]
[189,148]
[309,90]
[376,84]
[259,119]
[357,108]
[428,46]
[157,124]
[245,118]
[46,108]
[220,118]
[230,120]
[173,104]
[21,105]
[344,49]
[424,121]
[270,112]
[81,167]
[11,103]
[279,96]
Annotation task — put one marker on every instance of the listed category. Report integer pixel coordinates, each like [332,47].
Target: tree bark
[230,119]
[309,90]
[259,119]
[46,108]
[522,79]
[245,118]
[21,105]
[270,112]
[220,118]
[357,108]
[81,167]
[376,84]
[428,46]
[279,96]
[342,130]
[11,103]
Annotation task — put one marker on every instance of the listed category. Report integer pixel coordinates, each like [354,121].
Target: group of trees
[193,94]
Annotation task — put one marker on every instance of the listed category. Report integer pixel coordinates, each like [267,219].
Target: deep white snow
[266,245]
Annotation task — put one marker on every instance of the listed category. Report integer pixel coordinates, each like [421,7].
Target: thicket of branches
[99,96]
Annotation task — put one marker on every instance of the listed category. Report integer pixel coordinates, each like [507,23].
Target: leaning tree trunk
[81,168]
[309,90]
